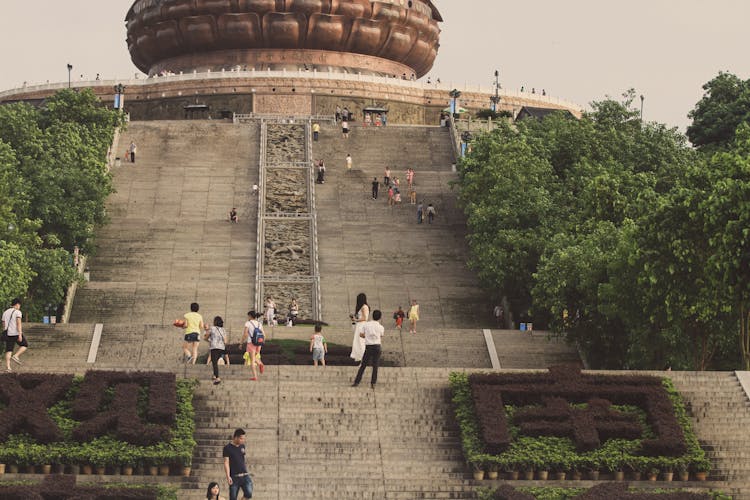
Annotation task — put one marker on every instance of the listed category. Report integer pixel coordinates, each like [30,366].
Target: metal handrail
[260,238]
[314,260]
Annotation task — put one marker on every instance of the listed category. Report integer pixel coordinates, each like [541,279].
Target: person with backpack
[217,339]
[255,338]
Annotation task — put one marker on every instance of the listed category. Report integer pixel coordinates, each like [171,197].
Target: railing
[260,248]
[317,306]
[282,117]
[455,138]
[300,74]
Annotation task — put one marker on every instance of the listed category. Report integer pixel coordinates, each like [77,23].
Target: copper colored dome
[387,37]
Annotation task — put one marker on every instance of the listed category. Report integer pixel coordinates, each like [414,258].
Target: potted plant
[511,470]
[653,473]
[492,469]
[668,470]
[636,466]
[527,467]
[186,463]
[702,469]
[593,466]
[682,470]
[478,468]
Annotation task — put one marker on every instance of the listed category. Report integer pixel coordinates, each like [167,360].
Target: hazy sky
[579,50]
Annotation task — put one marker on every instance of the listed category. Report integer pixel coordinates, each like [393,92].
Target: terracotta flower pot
[668,476]
[186,471]
[153,470]
[685,476]
[637,475]
[31,469]
[163,470]
[543,474]
[701,476]
[478,475]
[560,476]
[528,475]
[75,469]
[13,469]
[513,475]
[619,475]
[492,475]
[127,470]
[652,477]
[86,469]
[594,475]
[2,469]
[100,470]
[47,469]
[577,476]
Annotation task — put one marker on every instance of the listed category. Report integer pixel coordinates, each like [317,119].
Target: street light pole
[642,98]
[70,68]
[496,98]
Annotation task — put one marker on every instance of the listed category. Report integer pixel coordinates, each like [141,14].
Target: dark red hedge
[561,386]
[506,492]
[64,488]
[26,398]
[122,417]
[162,394]
[619,491]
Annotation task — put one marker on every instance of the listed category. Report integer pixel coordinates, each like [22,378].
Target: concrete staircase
[425,149]
[720,411]
[367,246]
[169,242]
[538,349]
[311,435]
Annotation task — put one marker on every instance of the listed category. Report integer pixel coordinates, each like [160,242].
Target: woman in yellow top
[413,316]
[193,327]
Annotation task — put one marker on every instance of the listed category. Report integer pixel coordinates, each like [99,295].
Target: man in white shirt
[372,332]
[13,333]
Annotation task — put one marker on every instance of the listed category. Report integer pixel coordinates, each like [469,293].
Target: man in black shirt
[375,187]
[235,467]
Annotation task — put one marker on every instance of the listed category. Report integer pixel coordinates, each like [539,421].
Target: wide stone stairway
[169,242]
[368,246]
[311,435]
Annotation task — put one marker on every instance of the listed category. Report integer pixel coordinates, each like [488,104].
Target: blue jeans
[241,482]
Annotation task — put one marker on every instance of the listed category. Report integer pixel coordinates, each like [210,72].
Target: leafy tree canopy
[53,185]
[616,233]
[724,106]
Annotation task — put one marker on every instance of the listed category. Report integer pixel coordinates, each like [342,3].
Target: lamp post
[119,96]
[642,98]
[70,68]
[454,95]
[496,98]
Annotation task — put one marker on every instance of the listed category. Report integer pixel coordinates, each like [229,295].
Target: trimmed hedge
[605,491]
[102,419]
[64,488]
[563,421]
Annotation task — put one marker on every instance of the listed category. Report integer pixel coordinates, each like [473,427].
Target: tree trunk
[745,333]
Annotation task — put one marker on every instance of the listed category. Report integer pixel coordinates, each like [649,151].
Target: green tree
[53,183]
[598,224]
[724,106]
[15,272]
[727,212]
